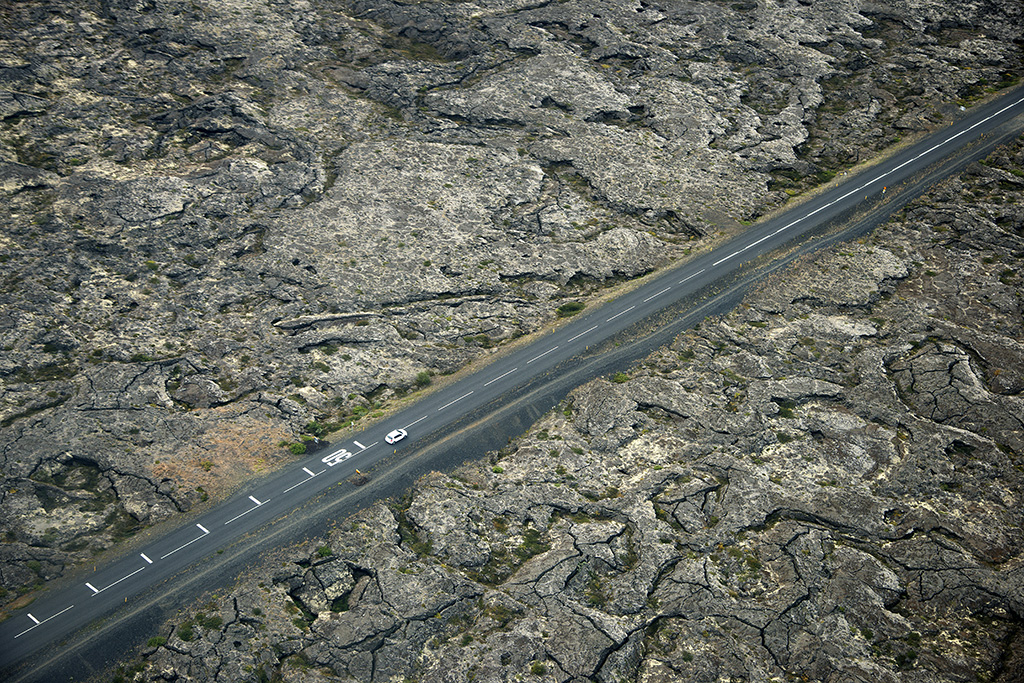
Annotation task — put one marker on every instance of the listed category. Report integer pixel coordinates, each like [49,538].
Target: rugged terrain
[227,223]
[824,484]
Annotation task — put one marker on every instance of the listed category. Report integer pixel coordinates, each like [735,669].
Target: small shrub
[571,308]
[185,632]
[156,641]
[423,379]
[786,409]
[538,668]
[297,448]
[324,551]
[620,377]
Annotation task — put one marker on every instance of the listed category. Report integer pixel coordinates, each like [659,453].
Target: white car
[396,436]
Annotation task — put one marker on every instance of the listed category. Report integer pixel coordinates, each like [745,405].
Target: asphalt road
[129,584]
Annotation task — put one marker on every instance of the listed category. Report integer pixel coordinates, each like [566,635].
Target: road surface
[122,584]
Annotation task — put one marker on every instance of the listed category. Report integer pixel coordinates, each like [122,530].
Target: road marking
[505,375]
[455,401]
[658,294]
[253,499]
[690,277]
[201,528]
[726,258]
[148,561]
[308,471]
[407,426]
[123,578]
[361,446]
[40,623]
[619,313]
[541,355]
[868,183]
[875,180]
[581,334]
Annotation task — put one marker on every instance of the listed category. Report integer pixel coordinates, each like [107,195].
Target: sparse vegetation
[570,308]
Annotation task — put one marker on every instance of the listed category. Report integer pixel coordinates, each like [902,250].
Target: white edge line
[407,426]
[455,401]
[690,277]
[580,335]
[658,294]
[619,313]
[504,375]
[44,621]
[541,355]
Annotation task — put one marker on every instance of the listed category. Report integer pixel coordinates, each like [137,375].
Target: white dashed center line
[541,355]
[411,424]
[870,182]
[455,401]
[690,277]
[500,376]
[123,578]
[253,499]
[620,313]
[40,623]
[656,295]
[201,528]
[582,333]
[308,471]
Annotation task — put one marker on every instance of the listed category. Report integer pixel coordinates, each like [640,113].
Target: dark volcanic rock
[823,487]
[228,223]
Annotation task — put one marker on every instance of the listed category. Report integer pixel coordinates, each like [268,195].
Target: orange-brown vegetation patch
[233,450]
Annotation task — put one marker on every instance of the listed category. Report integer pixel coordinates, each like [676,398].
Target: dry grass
[233,450]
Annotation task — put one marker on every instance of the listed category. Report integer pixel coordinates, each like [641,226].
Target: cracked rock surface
[820,487]
[226,223]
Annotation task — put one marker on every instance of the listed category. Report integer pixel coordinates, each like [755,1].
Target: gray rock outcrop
[226,223]
[823,486]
